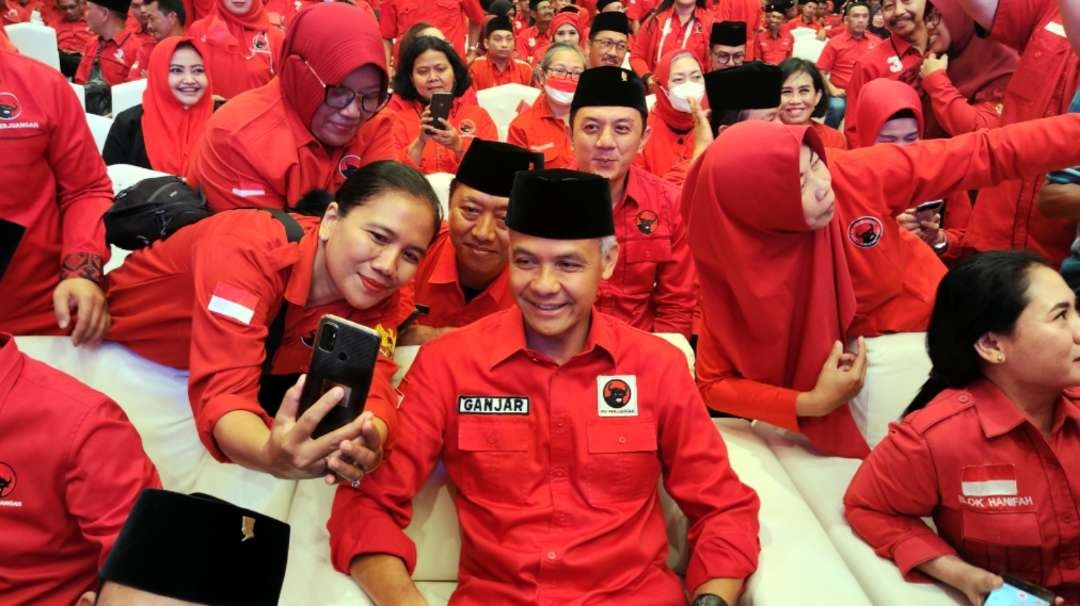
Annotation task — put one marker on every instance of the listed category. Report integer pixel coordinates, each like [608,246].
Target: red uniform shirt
[116,56]
[665,147]
[665,32]
[952,110]
[72,36]
[774,50]
[1006,216]
[438,287]
[840,54]
[558,501]
[237,64]
[213,288]
[654,286]
[470,120]
[531,44]
[52,182]
[830,137]
[891,58]
[485,74]
[14,12]
[71,468]
[636,10]
[397,16]
[1003,496]
[255,152]
[538,130]
[798,22]
[747,11]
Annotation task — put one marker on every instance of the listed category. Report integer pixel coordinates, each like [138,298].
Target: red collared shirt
[1006,216]
[891,58]
[437,286]
[665,148]
[665,32]
[840,54]
[71,467]
[1002,495]
[556,479]
[203,299]
[774,50]
[52,182]
[72,36]
[531,44]
[397,16]
[116,57]
[798,22]
[537,129]
[237,65]
[486,74]
[654,286]
[470,120]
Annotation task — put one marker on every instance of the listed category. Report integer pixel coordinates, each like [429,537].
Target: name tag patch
[616,395]
[493,405]
[988,480]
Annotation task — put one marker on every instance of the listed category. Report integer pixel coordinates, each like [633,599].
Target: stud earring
[1001,358]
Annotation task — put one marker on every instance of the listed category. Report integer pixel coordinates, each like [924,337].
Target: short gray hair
[606,244]
[549,56]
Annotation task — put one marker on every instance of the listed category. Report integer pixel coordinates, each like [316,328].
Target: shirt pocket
[496,464]
[1003,542]
[622,462]
[656,249]
[1041,61]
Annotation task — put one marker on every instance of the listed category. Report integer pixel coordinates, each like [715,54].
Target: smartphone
[10,236]
[440,107]
[344,355]
[930,207]
[1019,593]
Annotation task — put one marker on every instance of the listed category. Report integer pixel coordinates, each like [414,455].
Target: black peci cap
[753,85]
[728,33]
[608,86]
[489,166]
[610,22]
[561,204]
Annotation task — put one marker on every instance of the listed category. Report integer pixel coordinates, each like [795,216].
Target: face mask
[680,95]
[559,90]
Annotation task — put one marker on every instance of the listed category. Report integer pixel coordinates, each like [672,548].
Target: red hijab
[255,19]
[776,294]
[979,68]
[169,129]
[879,100]
[663,108]
[562,19]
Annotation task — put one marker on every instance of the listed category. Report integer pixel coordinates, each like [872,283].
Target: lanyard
[667,30]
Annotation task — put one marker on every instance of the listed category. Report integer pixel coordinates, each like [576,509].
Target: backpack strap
[272,387]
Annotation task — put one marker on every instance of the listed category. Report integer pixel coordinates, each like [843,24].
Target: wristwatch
[941,246]
[710,599]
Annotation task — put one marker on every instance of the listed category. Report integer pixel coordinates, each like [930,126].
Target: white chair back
[800,33]
[37,41]
[99,127]
[501,103]
[127,94]
[440,182]
[80,92]
[808,48]
[124,176]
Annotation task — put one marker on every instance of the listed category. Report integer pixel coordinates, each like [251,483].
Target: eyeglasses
[562,72]
[340,97]
[607,45]
[725,58]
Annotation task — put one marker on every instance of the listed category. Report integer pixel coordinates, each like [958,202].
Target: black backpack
[152,210]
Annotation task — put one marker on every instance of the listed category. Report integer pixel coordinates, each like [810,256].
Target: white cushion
[35,40]
[99,129]
[80,93]
[808,47]
[440,182]
[502,102]
[897,366]
[127,94]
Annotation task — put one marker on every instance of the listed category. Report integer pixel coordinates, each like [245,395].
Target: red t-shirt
[840,54]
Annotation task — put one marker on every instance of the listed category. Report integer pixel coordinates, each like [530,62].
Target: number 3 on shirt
[895,66]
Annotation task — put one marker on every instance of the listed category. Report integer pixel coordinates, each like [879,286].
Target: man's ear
[609,261]
[87,599]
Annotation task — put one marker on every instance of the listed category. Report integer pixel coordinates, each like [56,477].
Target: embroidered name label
[493,405]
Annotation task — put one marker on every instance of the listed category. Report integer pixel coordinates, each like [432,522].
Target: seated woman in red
[430,65]
[802,96]
[242,46]
[680,83]
[207,298]
[161,133]
[989,447]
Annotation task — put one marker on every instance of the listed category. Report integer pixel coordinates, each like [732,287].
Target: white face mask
[562,95]
[680,95]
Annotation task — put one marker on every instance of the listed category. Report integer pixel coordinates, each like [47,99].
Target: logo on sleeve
[646,221]
[616,395]
[865,232]
[467,128]
[234,303]
[493,405]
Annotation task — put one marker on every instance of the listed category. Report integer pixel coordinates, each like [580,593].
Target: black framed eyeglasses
[563,73]
[340,97]
[608,45]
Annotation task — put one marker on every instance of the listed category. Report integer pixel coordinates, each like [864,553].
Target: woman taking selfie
[207,298]
[989,445]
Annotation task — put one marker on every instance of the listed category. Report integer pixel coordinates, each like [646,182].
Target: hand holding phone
[927,210]
[440,108]
[344,356]
[1016,592]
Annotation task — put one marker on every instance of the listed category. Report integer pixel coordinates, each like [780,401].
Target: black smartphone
[440,107]
[344,355]
[10,235]
[1016,592]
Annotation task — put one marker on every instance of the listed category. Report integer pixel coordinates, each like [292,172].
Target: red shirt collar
[302,259]
[11,363]
[508,337]
[901,46]
[998,415]
[444,271]
[634,189]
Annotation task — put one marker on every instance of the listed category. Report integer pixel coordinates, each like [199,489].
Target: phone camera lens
[328,337]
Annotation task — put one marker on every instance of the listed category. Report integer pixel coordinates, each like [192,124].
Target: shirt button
[491,439]
[622,439]
[964,398]
[551,555]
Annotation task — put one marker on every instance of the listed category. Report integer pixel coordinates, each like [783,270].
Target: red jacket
[1006,216]
[237,65]
[117,55]
[1001,494]
[663,33]
[538,130]
[215,287]
[470,120]
[69,475]
[558,501]
[53,183]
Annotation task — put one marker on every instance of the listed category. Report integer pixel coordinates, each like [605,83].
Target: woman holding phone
[434,125]
[207,298]
[989,445]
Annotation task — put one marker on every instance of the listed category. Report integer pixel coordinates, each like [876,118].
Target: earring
[1000,358]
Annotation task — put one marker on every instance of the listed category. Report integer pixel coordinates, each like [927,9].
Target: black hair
[666,4]
[794,66]
[403,84]
[984,293]
[372,180]
[904,113]
[173,6]
[856,4]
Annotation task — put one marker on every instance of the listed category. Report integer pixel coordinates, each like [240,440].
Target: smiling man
[654,286]
[555,423]
[464,274]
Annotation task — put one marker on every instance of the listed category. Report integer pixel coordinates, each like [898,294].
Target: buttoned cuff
[919,549]
[207,418]
[368,531]
[722,559]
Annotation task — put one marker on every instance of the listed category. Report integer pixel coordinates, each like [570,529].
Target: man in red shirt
[463,276]
[536,37]
[654,285]
[71,467]
[609,39]
[54,188]
[727,45]
[555,423]
[498,66]
[164,18]
[397,16]
[807,18]
[774,44]
[837,60]
[1043,84]
[107,59]
[72,35]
